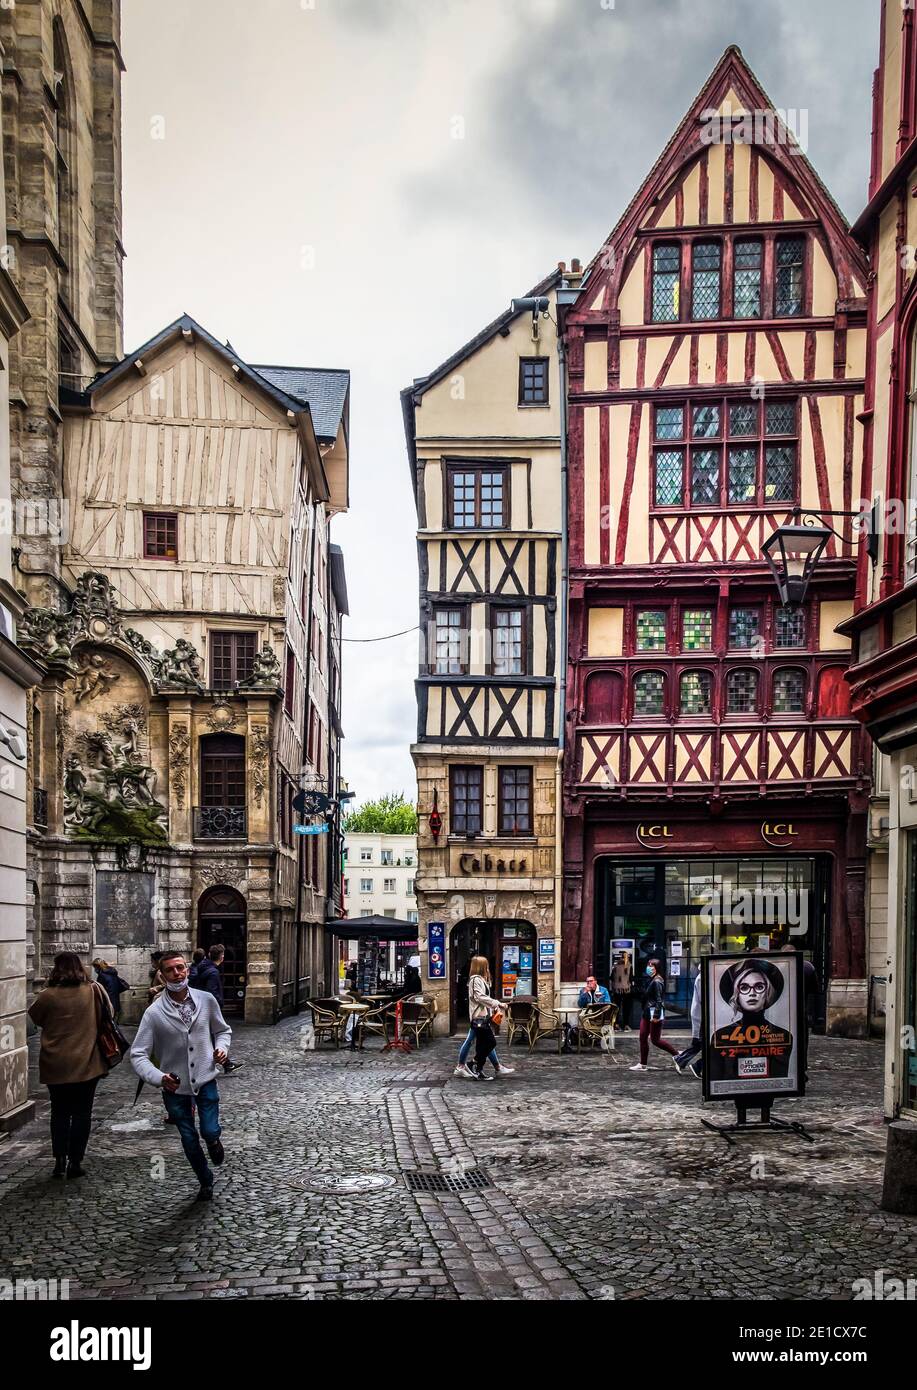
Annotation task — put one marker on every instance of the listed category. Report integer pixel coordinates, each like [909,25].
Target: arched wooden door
[222,919]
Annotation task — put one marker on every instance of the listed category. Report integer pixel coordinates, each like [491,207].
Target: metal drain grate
[469,1181]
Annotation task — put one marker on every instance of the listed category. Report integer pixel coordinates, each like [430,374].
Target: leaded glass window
[790,627]
[666,276]
[705,422]
[743,418]
[789,691]
[746,281]
[670,422]
[669,477]
[651,635]
[788,291]
[742,474]
[780,472]
[742,692]
[744,627]
[649,693]
[705,477]
[780,417]
[697,629]
[695,693]
[705,288]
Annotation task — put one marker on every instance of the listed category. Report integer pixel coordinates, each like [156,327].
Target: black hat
[764,967]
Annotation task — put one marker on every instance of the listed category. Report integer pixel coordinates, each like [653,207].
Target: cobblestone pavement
[602,1184]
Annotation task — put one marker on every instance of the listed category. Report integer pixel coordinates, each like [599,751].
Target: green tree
[390,815]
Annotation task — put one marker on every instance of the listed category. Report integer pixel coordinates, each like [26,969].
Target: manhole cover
[469,1181]
[346,1184]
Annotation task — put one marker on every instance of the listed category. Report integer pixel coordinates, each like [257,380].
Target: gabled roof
[323,389]
[422,384]
[730,71]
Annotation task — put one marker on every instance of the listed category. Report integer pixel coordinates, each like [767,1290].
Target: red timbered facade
[716,360]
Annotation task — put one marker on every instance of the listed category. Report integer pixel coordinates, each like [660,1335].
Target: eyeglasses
[752,989]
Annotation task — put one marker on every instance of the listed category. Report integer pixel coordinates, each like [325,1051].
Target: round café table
[352,1007]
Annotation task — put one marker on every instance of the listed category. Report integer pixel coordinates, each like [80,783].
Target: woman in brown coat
[70,1062]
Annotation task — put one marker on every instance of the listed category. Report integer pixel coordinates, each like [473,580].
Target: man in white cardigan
[185,1031]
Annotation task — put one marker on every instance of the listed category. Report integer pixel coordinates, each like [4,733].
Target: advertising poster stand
[754,1036]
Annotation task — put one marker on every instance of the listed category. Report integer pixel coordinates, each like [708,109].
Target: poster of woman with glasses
[752,1026]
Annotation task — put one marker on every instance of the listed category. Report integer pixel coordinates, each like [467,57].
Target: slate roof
[322,389]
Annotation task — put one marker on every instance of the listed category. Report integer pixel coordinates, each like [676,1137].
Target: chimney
[573,277]
[562,267]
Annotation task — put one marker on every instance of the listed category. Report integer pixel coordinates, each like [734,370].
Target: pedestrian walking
[184,1029]
[69,1012]
[481,1009]
[108,977]
[157,983]
[197,955]
[685,1061]
[652,1017]
[209,976]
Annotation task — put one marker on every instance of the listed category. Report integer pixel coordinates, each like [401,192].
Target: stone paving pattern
[604,1184]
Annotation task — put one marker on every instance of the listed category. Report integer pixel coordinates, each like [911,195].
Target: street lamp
[793,551]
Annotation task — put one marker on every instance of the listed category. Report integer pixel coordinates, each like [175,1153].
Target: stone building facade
[484,444]
[191,671]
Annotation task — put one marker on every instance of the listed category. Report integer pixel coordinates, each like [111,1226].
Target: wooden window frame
[665,715]
[683,671]
[778,668]
[544,400]
[733,669]
[214,753]
[728,238]
[216,634]
[524,636]
[289,682]
[478,469]
[502,800]
[154,518]
[453,828]
[464,629]
[688,445]
[649,653]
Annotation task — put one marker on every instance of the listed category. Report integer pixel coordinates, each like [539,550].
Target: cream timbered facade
[716,364]
[192,670]
[483,433]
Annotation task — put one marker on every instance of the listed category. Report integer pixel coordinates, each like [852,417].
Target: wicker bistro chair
[521,1017]
[376,1021]
[416,1021]
[591,1022]
[546,1024]
[327,1021]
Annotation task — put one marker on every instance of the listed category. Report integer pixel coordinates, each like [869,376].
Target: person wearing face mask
[184,1029]
[652,1017]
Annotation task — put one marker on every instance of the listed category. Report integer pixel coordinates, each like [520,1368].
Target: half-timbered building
[191,671]
[716,784]
[883,677]
[484,444]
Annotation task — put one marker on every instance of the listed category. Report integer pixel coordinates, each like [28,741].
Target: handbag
[496,1018]
[113,1045]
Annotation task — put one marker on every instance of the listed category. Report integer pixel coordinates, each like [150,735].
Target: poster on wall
[436,940]
[753,1028]
[546,957]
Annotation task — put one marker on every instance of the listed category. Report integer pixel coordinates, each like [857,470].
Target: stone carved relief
[222,716]
[180,666]
[94,677]
[279,593]
[266,673]
[179,746]
[218,871]
[260,751]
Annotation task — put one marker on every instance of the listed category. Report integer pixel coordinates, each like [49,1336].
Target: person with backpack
[652,1017]
[69,1012]
[108,977]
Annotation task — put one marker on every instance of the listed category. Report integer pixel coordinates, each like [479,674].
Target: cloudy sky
[365,183]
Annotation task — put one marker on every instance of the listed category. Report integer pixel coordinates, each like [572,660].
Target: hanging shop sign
[311,803]
[311,829]
[436,941]
[653,836]
[546,957]
[753,1027]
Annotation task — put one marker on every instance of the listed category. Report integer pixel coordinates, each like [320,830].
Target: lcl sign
[778,833]
[653,836]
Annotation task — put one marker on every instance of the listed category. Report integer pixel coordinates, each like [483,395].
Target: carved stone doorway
[222,920]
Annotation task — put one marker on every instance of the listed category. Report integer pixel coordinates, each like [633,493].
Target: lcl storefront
[678,886]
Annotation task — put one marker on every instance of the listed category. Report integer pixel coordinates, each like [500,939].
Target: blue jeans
[466,1047]
[181,1109]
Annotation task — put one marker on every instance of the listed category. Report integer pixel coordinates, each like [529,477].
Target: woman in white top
[480,1008]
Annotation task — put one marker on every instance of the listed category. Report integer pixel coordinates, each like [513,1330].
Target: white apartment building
[379,882]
